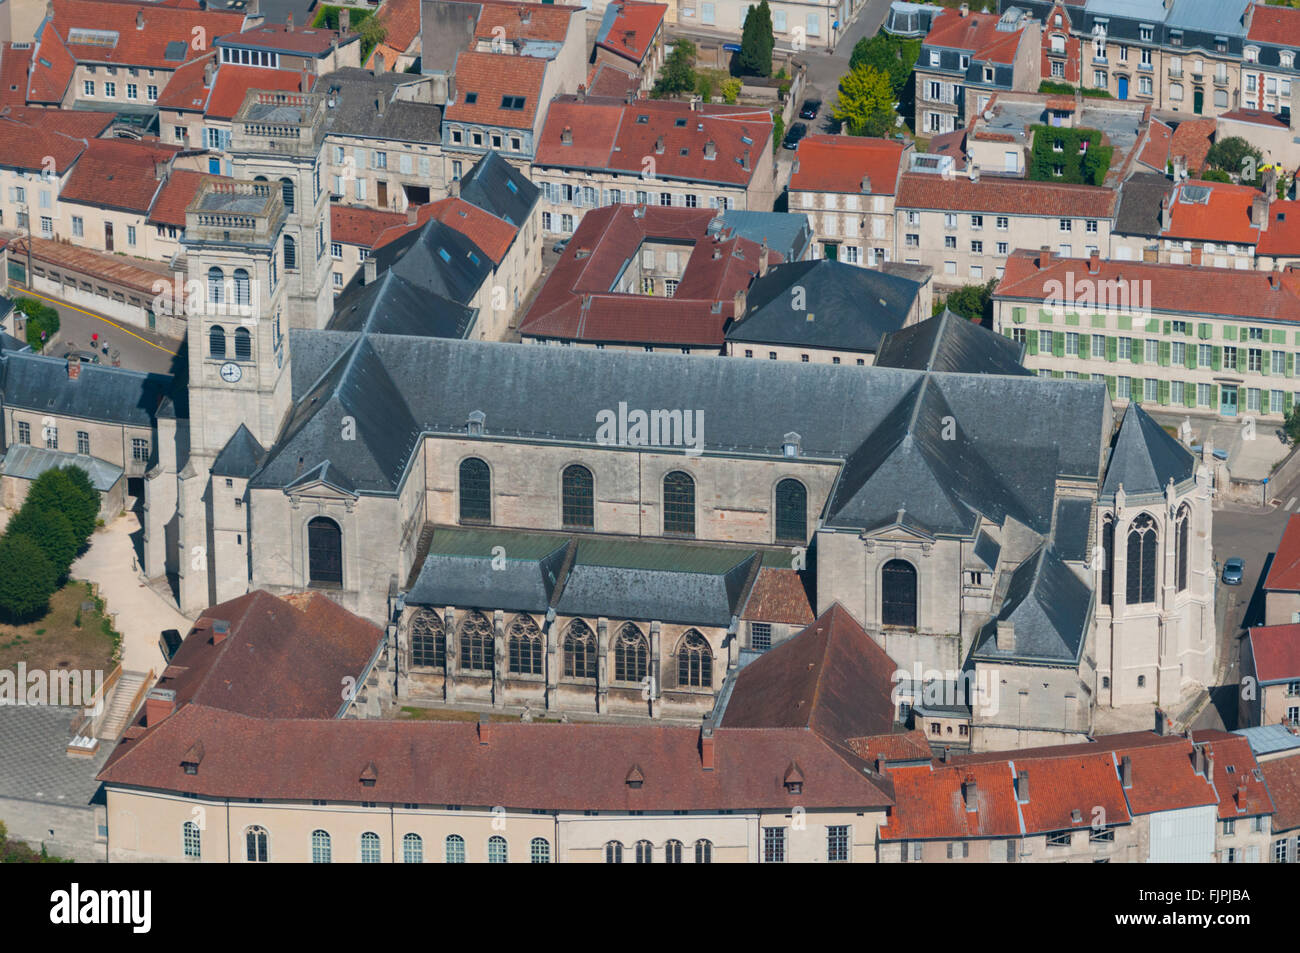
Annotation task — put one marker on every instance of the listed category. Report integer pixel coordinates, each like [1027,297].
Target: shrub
[67,490]
[51,531]
[27,579]
[678,72]
[40,317]
[731,91]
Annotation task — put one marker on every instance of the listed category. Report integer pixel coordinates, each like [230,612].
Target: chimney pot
[866,185]
[288,23]
[706,748]
[566,137]
[1022,786]
[139,19]
[969,791]
[74,368]
[220,631]
[158,704]
[484,728]
[1126,771]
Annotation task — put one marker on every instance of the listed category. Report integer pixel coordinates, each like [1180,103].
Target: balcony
[1175,72]
[1221,80]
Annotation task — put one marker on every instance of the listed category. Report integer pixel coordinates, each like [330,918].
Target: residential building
[1270,657]
[1282,584]
[354,230]
[1282,775]
[399,50]
[38,151]
[630,37]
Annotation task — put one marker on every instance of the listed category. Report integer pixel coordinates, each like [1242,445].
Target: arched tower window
[428,643]
[1108,560]
[791,512]
[477,643]
[524,639]
[679,504]
[216,285]
[694,661]
[631,655]
[324,552]
[286,194]
[577,497]
[217,342]
[243,296]
[321,850]
[1183,536]
[243,345]
[1141,571]
[475,491]
[579,650]
[898,593]
[290,253]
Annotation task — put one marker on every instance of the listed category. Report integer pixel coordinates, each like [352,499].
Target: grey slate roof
[456,574]
[1144,458]
[33,740]
[394,305]
[355,111]
[496,186]
[1049,607]
[950,342]
[26,462]
[1070,536]
[843,307]
[240,457]
[786,232]
[1138,212]
[111,394]
[438,259]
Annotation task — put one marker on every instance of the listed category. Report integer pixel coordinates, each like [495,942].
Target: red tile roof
[1282,237]
[633,29]
[1277,25]
[1257,117]
[232,84]
[136,45]
[1180,288]
[28,144]
[930,802]
[605,79]
[356,225]
[52,67]
[577,301]
[1060,787]
[401,20]
[1284,573]
[1006,196]
[490,78]
[139,276]
[1276,649]
[177,193]
[614,135]
[1192,140]
[13,75]
[118,173]
[778,596]
[312,41]
[187,90]
[1165,778]
[839,163]
[1241,794]
[80,124]
[975,32]
[1156,146]
[525,21]
[895,746]
[1224,217]
[493,236]
[1282,775]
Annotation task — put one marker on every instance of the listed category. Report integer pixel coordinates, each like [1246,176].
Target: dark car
[1233,570]
[559,246]
[797,132]
[85,357]
[810,108]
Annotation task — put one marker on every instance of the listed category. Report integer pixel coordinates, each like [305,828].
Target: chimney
[706,747]
[484,729]
[412,214]
[1241,795]
[1022,787]
[582,92]
[739,302]
[566,137]
[1275,279]
[1166,217]
[371,270]
[1259,211]
[965,9]
[973,171]
[881,764]
[453,188]
[1162,720]
[304,81]
[1044,256]
[744,160]
[220,631]
[209,69]
[659,146]
[379,65]
[1126,772]
[1094,263]
[74,368]
[288,23]
[764,257]
[1268,182]
[1006,635]
[968,792]
[379,100]
[158,704]
[710,149]
[139,19]
[345,20]
[945,753]
[866,185]
[1209,763]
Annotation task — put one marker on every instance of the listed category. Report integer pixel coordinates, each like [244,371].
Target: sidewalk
[141,613]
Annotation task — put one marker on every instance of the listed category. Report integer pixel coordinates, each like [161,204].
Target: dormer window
[790,445]
[1251,53]
[474,425]
[793,779]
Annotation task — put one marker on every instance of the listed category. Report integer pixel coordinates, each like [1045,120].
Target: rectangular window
[132,91]
[24,432]
[1045,342]
[1071,344]
[1150,389]
[51,433]
[152,92]
[78,227]
[88,87]
[140,449]
[837,844]
[1202,395]
[774,845]
[83,443]
[336,250]
[760,633]
[110,90]
[1150,351]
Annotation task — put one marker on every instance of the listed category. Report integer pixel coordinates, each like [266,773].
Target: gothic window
[1108,560]
[579,651]
[217,342]
[1184,531]
[427,644]
[243,345]
[898,594]
[631,655]
[324,552]
[644,852]
[525,641]
[1141,581]
[475,491]
[216,285]
[290,253]
[242,286]
[476,643]
[613,852]
[791,512]
[286,193]
[577,497]
[679,504]
[694,662]
[257,843]
[673,852]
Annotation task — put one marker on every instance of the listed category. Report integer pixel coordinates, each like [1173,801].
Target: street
[137,348]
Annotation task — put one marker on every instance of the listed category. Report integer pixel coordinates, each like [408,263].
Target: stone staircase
[125,700]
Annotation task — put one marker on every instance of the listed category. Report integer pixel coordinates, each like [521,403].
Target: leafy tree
[778,129]
[27,580]
[704,87]
[1215,175]
[678,72]
[1292,424]
[69,492]
[893,55]
[1231,154]
[756,43]
[731,91]
[40,317]
[866,103]
[51,531]
[970,301]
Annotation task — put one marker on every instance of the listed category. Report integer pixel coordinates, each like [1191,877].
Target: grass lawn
[56,641]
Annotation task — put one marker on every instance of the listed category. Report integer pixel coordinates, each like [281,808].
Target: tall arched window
[1183,526]
[257,842]
[370,848]
[577,497]
[412,849]
[476,643]
[524,639]
[631,655]
[645,852]
[243,345]
[321,851]
[679,504]
[217,342]
[290,253]
[454,847]
[898,593]
[1141,573]
[791,512]
[497,850]
[475,491]
[703,852]
[579,650]
[694,661]
[243,297]
[324,552]
[613,852]
[286,193]
[539,850]
[673,852]
[192,839]
[216,285]
[1108,560]
[428,645]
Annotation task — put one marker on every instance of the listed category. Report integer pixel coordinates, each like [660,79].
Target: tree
[27,580]
[1236,156]
[756,43]
[373,32]
[1292,424]
[974,302]
[40,317]
[866,103]
[893,55]
[52,531]
[678,72]
[69,492]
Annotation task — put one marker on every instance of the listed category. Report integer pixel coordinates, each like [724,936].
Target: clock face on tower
[231,372]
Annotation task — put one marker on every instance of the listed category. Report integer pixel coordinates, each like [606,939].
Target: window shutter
[1044,317]
[1031,343]
[1126,322]
[1279,336]
[1058,344]
[1214,397]
[1136,350]
[1290,364]
[1112,349]
[1189,394]
[1018,315]
[1190,357]
[1072,320]
[1098,320]
[1241,360]
[1164,353]
[1266,363]
[1168,327]
[1162,392]
[1153,326]
[1058,375]
[1204,331]
[1110,386]
[1189,329]
[1216,358]
[1287,400]
[1085,347]
[1229,333]
[1007,332]
[1135,386]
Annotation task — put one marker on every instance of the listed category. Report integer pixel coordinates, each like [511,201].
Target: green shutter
[1287,399]
[1162,392]
[1135,389]
[1058,344]
[1044,317]
[1189,394]
[1007,332]
[1241,360]
[1059,375]
[1085,347]
[1153,326]
[1112,349]
[1204,331]
[1018,315]
[1278,336]
[1168,327]
[1111,386]
[1189,328]
[1072,320]
[1190,357]
[1214,397]
[1031,342]
[1216,358]
[1136,350]
[1266,362]
[1290,364]
[1098,320]
[1126,322]
[1164,353]
[1229,332]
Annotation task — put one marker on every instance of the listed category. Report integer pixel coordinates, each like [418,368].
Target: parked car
[1233,570]
[797,132]
[559,246]
[810,108]
[85,357]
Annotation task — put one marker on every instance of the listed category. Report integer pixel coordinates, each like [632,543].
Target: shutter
[1287,399]
[1164,353]
[1190,357]
[1241,360]
[1153,326]
[1290,364]
[1085,347]
[1044,317]
[1058,344]
[1058,375]
[1214,397]
[1136,350]
[1110,386]
[1279,336]
[1168,327]
[1189,328]
[1135,389]
[1189,395]
[1203,331]
[1112,349]
[1126,322]
[1007,332]
[1031,343]
[1162,392]
[1072,320]
[1098,320]
[1229,332]
[1018,315]
[1216,358]
[1265,363]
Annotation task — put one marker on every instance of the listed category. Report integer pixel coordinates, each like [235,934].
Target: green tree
[731,91]
[40,317]
[1292,424]
[372,32]
[756,43]
[27,579]
[1231,156]
[52,531]
[970,301]
[893,55]
[866,103]
[68,491]
[678,72]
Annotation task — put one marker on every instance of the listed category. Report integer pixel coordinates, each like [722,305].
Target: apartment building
[1190,221]
[1269,58]
[631,38]
[797,25]
[1282,585]
[1217,341]
[597,151]
[846,186]
[1282,775]
[354,230]
[1270,655]
[38,151]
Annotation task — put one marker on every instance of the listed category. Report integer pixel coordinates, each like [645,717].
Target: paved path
[142,614]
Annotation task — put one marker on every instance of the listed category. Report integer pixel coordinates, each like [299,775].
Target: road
[137,348]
